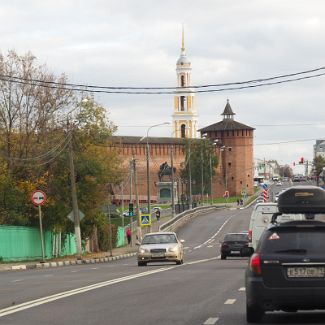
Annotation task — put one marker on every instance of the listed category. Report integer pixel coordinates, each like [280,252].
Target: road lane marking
[211,321]
[18,280]
[61,295]
[242,289]
[209,246]
[94,268]
[216,234]
[230,301]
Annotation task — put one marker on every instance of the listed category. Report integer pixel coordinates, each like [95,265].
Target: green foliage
[197,155]
[319,164]
[34,151]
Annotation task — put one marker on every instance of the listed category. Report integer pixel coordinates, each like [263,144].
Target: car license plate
[234,252]
[306,272]
[158,254]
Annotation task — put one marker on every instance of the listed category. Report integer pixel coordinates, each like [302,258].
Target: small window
[183,130]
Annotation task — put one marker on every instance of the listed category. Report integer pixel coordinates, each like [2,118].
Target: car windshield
[293,242]
[159,239]
[236,237]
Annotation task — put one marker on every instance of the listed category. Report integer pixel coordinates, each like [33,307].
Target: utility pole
[190,175]
[172,167]
[75,208]
[137,197]
[210,162]
[202,179]
[131,199]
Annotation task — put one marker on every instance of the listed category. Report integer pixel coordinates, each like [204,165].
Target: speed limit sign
[38,197]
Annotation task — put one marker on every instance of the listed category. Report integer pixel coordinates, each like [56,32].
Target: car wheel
[254,314]
[179,262]
[142,263]
[223,256]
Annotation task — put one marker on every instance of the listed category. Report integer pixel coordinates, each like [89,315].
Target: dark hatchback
[287,271]
[235,244]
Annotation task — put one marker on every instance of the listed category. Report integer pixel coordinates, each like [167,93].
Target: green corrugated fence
[120,241]
[23,243]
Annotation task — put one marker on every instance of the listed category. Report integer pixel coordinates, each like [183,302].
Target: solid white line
[61,295]
[211,321]
[230,301]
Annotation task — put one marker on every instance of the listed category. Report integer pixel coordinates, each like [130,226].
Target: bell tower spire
[185,116]
[183,46]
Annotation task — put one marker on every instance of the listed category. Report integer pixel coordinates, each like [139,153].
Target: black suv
[287,271]
[234,244]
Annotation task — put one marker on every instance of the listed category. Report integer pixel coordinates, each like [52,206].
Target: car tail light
[255,264]
[250,235]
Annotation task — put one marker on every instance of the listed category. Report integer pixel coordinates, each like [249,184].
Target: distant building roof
[228,122]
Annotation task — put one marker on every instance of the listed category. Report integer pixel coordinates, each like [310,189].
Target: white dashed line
[242,289]
[230,301]
[210,246]
[211,321]
[94,268]
[18,280]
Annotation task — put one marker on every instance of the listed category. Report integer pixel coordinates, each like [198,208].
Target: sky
[137,43]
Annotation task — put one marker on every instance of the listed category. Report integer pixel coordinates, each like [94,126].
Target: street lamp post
[148,159]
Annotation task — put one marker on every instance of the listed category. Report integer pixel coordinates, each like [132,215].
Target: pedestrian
[158,215]
[241,202]
[238,201]
[128,235]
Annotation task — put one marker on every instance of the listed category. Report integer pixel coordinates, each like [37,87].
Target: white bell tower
[185,116]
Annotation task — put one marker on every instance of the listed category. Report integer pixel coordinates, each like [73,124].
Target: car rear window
[282,241]
[236,237]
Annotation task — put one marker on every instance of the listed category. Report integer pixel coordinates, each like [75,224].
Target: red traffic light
[301,160]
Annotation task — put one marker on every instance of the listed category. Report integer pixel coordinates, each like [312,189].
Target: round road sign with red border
[38,197]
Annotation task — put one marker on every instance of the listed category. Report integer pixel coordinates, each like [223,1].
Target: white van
[261,217]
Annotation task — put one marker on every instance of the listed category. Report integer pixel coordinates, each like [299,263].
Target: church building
[145,159]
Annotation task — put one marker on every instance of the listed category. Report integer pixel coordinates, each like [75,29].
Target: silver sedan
[160,247]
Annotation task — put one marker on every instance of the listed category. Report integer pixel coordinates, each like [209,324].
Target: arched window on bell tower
[182,99]
[182,80]
[183,127]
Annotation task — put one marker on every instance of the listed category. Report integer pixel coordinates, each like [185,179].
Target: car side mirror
[182,241]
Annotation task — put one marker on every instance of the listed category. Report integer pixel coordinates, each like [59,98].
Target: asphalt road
[204,290]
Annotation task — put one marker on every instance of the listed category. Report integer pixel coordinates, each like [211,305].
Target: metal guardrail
[182,218]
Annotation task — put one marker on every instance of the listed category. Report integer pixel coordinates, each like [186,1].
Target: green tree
[319,164]
[199,153]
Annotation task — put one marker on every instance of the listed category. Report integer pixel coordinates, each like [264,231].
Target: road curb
[46,265]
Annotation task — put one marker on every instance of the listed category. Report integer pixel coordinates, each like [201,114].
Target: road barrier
[182,218]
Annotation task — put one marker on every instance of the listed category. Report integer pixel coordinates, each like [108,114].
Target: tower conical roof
[228,112]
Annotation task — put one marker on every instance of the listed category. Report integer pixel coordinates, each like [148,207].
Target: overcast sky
[137,43]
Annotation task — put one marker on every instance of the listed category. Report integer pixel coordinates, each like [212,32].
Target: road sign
[38,197]
[145,220]
[70,216]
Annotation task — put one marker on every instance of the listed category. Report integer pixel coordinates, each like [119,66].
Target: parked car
[279,183]
[287,270]
[160,247]
[234,244]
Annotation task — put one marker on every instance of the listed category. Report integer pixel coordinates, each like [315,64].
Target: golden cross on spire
[183,46]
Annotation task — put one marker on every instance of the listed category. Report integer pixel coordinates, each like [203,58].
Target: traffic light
[131,212]
[301,162]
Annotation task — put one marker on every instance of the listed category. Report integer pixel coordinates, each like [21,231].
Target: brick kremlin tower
[235,150]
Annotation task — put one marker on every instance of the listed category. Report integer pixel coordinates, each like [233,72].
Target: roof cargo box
[302,199]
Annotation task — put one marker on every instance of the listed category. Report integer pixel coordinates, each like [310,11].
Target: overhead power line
[168,90]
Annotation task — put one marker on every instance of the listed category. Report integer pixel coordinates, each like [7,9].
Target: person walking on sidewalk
[128,235]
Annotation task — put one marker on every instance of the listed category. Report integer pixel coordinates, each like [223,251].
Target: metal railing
[182,218]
